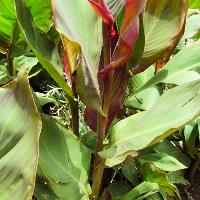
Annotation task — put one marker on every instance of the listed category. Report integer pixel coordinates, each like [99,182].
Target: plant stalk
[99,163]
[74,107]
[10,67]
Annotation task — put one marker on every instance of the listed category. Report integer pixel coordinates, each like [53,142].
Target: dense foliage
[99,99]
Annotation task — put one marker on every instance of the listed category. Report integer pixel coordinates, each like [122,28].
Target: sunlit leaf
[41,46]
[115,6]
[173,110]
[194,3]
[143,100]
[116,99]
[171,73]
[20,127]
[163,25]
[8,21]
[144,189]
[128,34]
[163,161]
[76,19]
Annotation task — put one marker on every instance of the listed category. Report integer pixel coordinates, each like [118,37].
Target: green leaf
[64,161]
[44,99]
[41,46]
[141,191]
[20,127]
[8,21]
[192,26]
[75,19]
[190,136]
[159,18]
[177,178]
[143,100]
[174,109]
[115,6]
[43,191]
[117,190]
[139,45]
[170,149]
[194,4]
[42,21]
[163,161]
[198,122]
[154,175]
[177,65]
[136,82]
[24,62]
[130,171]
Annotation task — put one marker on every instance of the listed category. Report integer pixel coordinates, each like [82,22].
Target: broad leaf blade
[116,100]
[173,110]
[128,35]
[115,6]
[143,189]
[76,19]
[163,25]
[194,4]
[8,19]
[163,161]
[41,46]
[64,161]
[20,127]
[187,59]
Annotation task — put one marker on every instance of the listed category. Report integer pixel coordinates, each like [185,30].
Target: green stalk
[99,163]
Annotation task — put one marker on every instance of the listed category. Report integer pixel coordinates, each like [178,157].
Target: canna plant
[111,60]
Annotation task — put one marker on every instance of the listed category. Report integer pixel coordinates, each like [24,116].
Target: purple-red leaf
[116,100]
[103,11]
[128,34]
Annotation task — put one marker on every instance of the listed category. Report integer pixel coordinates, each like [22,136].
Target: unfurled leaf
[190,136]
[177,66]
[143,100]
[174,109]
[154,175]
[43,191]
[116,99]
[142,191]
[102,10]
[20,127]
[41,46]
[194,4]
[177,178]
[64,161]
[116,190]
[163,161]
[76,19]
[136,82]
[73,54]
[128,34]
[192,28]
[163,26]
[24,62]
[8,21]
[42,21]
[139,46]
[115,6]
[170,149]
[131,172]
